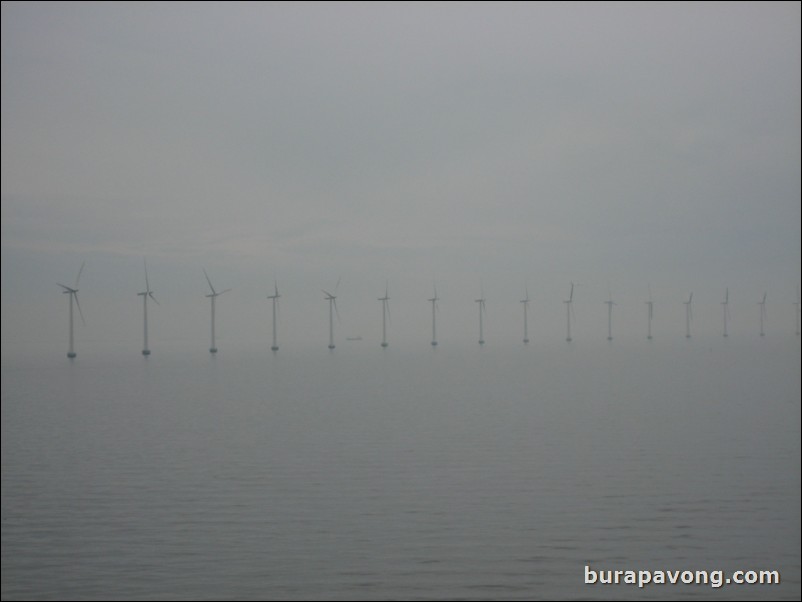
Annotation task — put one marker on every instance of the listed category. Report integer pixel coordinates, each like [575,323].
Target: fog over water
[625,151]
[369,473]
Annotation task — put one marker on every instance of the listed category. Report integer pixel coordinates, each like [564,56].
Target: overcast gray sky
[482,144]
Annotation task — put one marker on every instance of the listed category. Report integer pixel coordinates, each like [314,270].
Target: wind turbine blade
[389,317]
[150,294]
[650,290]
[275,285]
[571,296]
[327,293]
[79,274]
[80,313]
[225,291]
[209,281]
[67,289]
[764,298]
[336,311]
[147,284]
[337,286]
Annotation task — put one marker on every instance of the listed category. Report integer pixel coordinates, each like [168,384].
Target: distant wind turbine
[332,299]
[762,305]
[726,305]
[275,297]
[385,312]
[213,296]
[688,316]
[481,302]
[610,304]
[526,323]
[145,294]
[650,314]
[569,309]
[73,293]
[435,307]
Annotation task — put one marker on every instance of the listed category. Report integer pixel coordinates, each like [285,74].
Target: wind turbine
[569,309]
[610,304]
[73,293]
[726,305]
[145,294]
[688,316]
[435,307]
[650,313]
[481,303]
[213,297]
[275,296]
[332,299]
[762,305]
[526,323]
[385,312]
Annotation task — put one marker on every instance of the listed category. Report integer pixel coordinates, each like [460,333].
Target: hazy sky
[495,145]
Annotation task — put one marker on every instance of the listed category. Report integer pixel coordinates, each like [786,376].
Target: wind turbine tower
[385,312]
[569,309]
[73,293]
[435,307]
[213,296]
[688,316]
[526,323]
[275,296]
[609,304]
[650,314]
[726,305]
[145,294]
[481,303]
[762,305]
[332,299]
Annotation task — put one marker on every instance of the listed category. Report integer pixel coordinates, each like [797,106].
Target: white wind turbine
[726,305]
[385,312]
[610,304]
[275,297]
[762,305]
[145,294]
[73,293]
[650,314]
[526,322]
[569,309]
[688,316]
[481,303]
[332,299]
[213,296]
[435,307]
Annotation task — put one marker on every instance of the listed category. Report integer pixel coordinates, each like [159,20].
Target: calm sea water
[494,473]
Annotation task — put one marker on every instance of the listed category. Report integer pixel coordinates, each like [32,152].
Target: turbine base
[71,354]
[568,339]
[481,342]
[331,346]
[212,349]
[274,348]
[609,338]
[146,352]
[384,344]
[649,337]
[434,343]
